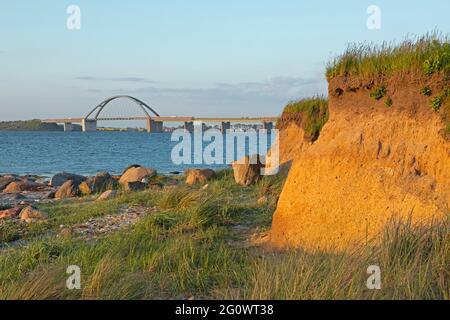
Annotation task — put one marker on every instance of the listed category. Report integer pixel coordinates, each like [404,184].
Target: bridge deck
[168,119]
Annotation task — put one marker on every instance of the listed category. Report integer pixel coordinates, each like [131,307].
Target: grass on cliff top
[314,114]
[195,247]
[428,54]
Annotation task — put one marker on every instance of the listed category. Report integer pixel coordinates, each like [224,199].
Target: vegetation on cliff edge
[428,54]
[313,113]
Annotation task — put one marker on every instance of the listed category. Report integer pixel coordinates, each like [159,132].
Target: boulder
[136,174]
[5,181]
[49,195]
[107,195]
[10,213]
[18,196]
[19,186]
[30,214]
[194,176]
[68,190]
[60,178]
[248,170]
[135,186]
[101,182]
[131,167]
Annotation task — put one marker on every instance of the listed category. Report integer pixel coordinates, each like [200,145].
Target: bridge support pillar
[89,125]
[225,126]
[154,126]
[189,126]
[268,126]
[68,127]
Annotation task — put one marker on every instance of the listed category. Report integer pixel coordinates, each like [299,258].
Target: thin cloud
[279,87]
[233,99]
[120,79]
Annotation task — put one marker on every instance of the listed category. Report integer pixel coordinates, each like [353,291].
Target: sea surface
[47,153]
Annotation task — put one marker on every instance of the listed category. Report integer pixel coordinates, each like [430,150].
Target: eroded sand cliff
[372,163]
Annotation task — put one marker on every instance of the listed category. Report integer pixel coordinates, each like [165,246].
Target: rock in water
[194,176]
[30,214]
[68,190]
[107,195]
[60,178]
[136,174]
[10,213]
[248,170]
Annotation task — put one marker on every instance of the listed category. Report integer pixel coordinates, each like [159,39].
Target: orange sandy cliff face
[291,141]
[371,163]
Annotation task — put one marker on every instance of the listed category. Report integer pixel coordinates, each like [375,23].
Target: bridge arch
[99,108]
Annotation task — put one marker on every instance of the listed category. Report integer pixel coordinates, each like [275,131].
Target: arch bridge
[154,122]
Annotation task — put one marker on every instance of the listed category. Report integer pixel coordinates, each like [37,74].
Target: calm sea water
[46,153]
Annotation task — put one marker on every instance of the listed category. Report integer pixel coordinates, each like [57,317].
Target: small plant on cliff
[312,112]
[426,91]
[389,102]
[378,93]
[438,101]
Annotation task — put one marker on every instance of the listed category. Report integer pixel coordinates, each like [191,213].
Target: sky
[189,58]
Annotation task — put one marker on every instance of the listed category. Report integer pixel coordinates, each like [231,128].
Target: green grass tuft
[428,54]
[389,102]
[378,93]
[314,113]
[426,91]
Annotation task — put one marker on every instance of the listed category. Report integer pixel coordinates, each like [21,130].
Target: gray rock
[68,190]
[135,186]
[5,181]
[248,170]
[60,178]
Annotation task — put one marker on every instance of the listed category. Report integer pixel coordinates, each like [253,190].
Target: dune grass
[196,246]
[428,54]
[314,114]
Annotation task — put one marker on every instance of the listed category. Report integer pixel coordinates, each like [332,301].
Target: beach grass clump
[314,113]
[428,54]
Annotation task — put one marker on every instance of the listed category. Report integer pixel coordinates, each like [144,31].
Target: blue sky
[198,57]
